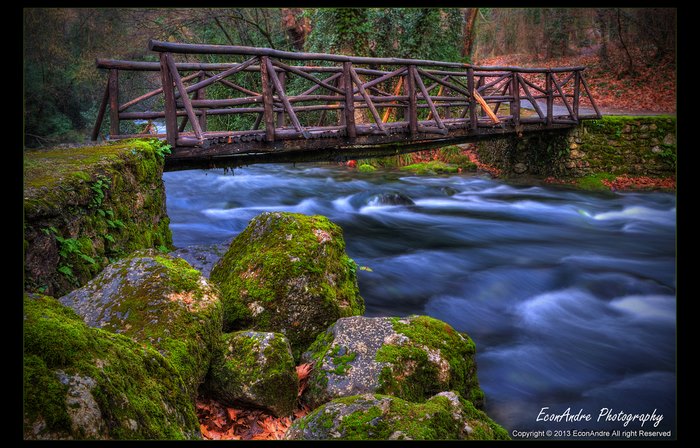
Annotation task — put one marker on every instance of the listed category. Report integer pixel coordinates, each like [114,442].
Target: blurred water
[569,295]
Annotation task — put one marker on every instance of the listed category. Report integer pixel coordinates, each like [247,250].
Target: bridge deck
[266,106]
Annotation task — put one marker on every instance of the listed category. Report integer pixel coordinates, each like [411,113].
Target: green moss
[595,181]
[382,417]
[413,376]
[139,394]
[430,168]
[366,168]
[288,272]
[256,369]
[110,194]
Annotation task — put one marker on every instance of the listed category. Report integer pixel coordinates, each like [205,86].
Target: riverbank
[633,153]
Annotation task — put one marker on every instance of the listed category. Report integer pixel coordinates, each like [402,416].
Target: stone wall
[87,206]
[637,146]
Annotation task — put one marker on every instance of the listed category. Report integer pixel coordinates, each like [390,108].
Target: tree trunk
[296,26]
[469,33]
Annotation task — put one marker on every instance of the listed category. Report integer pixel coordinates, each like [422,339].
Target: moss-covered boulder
[288,273]
[87,206]
[444,416]
[87,383]
[412,358]
[254,369]
[159,300]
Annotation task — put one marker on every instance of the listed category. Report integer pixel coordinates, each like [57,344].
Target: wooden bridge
[314,102]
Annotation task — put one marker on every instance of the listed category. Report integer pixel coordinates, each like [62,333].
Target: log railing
[339,96]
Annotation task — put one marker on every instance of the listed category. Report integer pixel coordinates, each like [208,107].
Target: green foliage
[420,33]
[366,168]
[99,187]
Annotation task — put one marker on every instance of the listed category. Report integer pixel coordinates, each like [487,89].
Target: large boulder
[412,358]
[159,300]
[87,383]
[288,273]
[254,369]
[444,416]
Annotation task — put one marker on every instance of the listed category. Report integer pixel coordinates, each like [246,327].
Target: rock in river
[444,416]
[288,273]
[412,358]
[159,300]
[86,383]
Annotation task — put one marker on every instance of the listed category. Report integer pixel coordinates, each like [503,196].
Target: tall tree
[469,32]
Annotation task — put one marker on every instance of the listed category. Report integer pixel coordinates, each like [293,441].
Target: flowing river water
[570,296]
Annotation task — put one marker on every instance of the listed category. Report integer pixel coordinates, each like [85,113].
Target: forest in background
[624,48]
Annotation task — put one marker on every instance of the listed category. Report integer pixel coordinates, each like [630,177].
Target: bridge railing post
[550,99]
[350,128]
[515,104]
[473,123]
[268,113]
[113,84]
[412,103]
[577,93]
[170,106]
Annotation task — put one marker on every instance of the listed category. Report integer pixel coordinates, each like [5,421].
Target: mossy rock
[87,383]
[445,416]
[254,369]
[366,168]
[412,358]
[288,273]
[87,206]
[159,300]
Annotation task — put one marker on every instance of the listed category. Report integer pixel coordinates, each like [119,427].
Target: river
[570,296]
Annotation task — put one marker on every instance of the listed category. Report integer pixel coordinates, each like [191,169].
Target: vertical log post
[412,106]
[349,100]
[577,93]
[515,104]
[101,113]
[114,101]
[282,76]
[550,100]
[473,123]
[268,113]
[170,107]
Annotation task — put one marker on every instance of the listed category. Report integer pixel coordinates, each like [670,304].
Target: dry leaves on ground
[220,422]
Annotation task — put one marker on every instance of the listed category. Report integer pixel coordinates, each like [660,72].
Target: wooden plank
[590,97]
[114,102]
[153,93]
[283,96]
[411,92]
[184,96]
[349,115]
[444,83]
[533,101]
[280,115]
[397,90]
[485,107]
[222,75]
[307,76]
[170,108]
[267,101]
[234,86]
[368,101]
[563,97]
[426,97]
[100,114]
[331,78]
